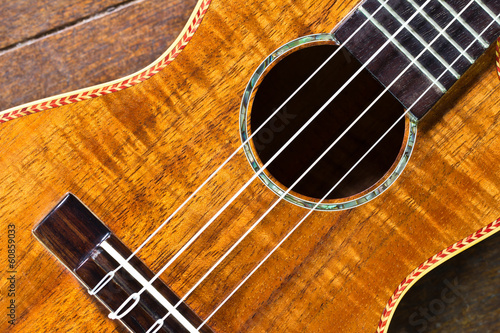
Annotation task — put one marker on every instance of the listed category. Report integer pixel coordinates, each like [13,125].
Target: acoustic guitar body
[133,156]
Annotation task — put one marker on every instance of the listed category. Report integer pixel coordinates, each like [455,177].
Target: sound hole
[282,80]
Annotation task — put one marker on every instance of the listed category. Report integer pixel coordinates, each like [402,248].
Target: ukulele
[257,177]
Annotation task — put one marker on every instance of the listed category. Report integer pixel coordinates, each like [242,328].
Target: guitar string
[135,296]
[160,321]
[319,202]
[119,313]
[109,276]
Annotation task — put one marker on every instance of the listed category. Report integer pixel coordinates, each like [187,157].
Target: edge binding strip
[498,57]
[431,263]
[95,91]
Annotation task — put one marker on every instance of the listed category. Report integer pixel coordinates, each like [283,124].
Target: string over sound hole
[356,97]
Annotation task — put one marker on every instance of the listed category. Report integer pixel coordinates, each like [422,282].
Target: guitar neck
[420,48]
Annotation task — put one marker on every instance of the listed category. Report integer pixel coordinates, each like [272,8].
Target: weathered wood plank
[23,20]
[114,45]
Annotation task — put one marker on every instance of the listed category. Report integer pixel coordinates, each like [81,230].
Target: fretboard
[420,48]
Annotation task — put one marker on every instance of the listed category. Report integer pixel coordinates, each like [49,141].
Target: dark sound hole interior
[282,80]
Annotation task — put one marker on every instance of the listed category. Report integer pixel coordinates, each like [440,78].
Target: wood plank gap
[81,21]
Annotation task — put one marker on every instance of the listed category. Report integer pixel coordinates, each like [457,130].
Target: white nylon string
[128,300]
[326,195]
[111,274]
[315,162]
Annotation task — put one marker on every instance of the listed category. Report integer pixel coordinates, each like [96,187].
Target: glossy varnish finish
[135,155]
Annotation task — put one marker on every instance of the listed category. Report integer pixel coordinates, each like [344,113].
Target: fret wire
[444,33]
[423,42]
[304,218]
[403,50]
[465,24]
[488,10]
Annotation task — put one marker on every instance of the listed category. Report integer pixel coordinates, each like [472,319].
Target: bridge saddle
[73,234]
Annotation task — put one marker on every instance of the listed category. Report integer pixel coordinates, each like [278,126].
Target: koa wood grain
[133,156]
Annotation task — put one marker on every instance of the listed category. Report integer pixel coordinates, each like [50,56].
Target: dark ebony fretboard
[433,49]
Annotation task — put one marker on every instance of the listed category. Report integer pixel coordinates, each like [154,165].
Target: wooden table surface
[52,47]
[49,47]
